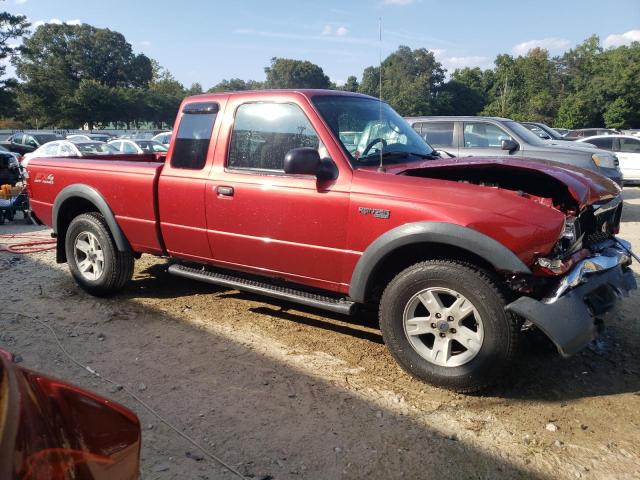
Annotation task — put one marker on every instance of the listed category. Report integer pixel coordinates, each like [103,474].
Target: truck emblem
[48,179]
[376,212]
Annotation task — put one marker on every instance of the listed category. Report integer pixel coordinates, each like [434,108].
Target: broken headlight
[570,233]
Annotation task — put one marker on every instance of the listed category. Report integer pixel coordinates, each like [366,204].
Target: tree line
[74,75]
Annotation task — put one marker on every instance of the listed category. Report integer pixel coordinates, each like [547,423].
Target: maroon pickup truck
[330,199]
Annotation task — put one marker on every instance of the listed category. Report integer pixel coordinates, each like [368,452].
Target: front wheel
[444,322]
[94,259]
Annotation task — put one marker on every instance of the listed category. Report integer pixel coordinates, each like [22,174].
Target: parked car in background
[16,155]
[137,146]
[548,134]
[626,148]
[163,138]
[68,148]
[90,137]
[502,137]
[589,132]
[54,430]
[562,131]
[28,141]
[138,135]
[9,168]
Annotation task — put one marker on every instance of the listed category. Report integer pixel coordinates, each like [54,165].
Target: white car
[163,138]
[89,137]
[65,148]
[626,148]
[137,146]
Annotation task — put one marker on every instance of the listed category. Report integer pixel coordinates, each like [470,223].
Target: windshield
[524,133]
[95,147]
[369,129]
[151,146]
[44,138]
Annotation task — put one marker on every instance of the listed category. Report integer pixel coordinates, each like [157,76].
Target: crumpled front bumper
[572,313]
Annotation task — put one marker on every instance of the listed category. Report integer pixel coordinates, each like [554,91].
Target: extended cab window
[194,135]
[263,133]
[483,135]
[437,134]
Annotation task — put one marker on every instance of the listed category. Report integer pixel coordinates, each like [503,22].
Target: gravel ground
[284,392]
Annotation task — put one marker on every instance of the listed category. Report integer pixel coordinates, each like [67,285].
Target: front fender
[499,256]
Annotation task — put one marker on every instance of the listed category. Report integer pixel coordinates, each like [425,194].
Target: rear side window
[629,145]
[483,135]
[194,135]
[604,143]
[436,134]
[263,133]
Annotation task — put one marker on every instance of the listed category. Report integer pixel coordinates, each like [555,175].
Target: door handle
[224,191]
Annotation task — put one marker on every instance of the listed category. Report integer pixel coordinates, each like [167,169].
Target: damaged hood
[584,186]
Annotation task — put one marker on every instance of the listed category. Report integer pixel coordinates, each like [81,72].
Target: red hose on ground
[35,243]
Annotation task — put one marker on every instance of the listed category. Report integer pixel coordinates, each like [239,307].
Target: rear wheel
[445,323]
[94,259]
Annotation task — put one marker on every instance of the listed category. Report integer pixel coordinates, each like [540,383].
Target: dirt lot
[283,392]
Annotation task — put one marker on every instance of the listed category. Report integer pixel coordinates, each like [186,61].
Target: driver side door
[263,220]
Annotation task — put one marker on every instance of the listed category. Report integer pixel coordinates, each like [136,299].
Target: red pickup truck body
[345,234]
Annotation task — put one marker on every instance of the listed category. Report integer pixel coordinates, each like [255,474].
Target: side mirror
[302,161]
[509,145]
[307,161]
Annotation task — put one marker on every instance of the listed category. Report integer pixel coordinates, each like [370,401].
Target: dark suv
[27,142]
[495,136]
[9,170]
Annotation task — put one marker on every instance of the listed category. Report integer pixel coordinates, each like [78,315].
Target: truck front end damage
[586,275]
[580,301]
[576,286]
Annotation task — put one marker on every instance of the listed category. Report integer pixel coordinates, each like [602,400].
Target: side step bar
[339,305]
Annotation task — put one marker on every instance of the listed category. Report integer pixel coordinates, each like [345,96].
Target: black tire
[117,267]
[499,328]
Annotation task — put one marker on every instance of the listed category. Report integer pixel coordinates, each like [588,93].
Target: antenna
[381,166]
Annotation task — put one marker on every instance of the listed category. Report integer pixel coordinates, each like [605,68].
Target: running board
[339,305]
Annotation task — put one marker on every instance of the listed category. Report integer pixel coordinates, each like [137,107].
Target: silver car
[497,137]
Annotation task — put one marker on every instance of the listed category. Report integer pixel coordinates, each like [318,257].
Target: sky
[207,41]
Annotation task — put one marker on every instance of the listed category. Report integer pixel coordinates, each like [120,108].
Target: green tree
[57,58]
[351,85]
[94,102]
[465,93]
[618,114]
[236,84]
[194,89]
[288,73]
[11,27]
[410,79]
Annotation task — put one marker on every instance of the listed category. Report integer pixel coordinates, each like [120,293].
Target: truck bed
[128,183]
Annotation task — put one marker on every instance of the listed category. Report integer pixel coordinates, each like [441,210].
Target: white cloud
[329,30]
[145,43]
[57,21]
[21,2]
[617,40]
[398,2]
[552,44]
